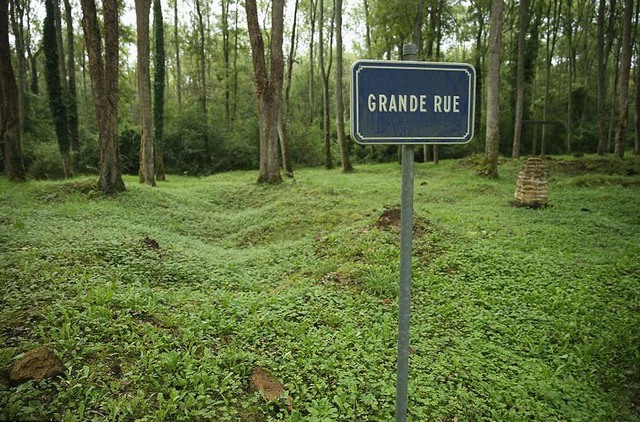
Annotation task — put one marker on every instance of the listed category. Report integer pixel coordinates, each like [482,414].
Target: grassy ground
[161,301]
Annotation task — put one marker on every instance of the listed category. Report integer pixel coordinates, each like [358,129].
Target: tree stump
[532,187]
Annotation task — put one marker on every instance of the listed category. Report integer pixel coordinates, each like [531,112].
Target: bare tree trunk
[72,103]
[226,49]
[623,80]
[614,94]
[324,72]
[283,134]
[570,74]
[17,23]
[147,170]
[493,89]
[520,88]
[203,80]
[636,139]
[417,26]
[367,25]
[10,137]
[268,87]
[235,64]
[479,60]
[551,39]
[312,100]
[176,41]
[31,56]
[417,40]
[61,64]
[342,141]
[602,68]
[437,16]
[104,79]
[203,74]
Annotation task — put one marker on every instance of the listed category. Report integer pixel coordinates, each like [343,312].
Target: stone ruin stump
[532,187]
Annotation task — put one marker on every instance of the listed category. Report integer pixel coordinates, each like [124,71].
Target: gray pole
[409,52]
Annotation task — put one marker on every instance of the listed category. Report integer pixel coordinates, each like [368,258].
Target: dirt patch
[151,243]
[262,381]
[390,218]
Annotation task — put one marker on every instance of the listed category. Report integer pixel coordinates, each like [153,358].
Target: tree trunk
[33,64]
[636,143]
[437,16]
[367,26]
[57,101]
[177,45]
[551,39]
[342,141]
[104,81]
[72,101]
[159,69]
[602,70]
[203,58]
[268,87]
[479,58]
[61,62]
[9,120]
[520,88]
[283,134]
[17,22]
[612,101]
[235,64]
[571,67]
[226,49]
[417,40]
[636,138]
[623,79]
[417,27]
[493,89]
[147,170]
[312,100]
[324,72]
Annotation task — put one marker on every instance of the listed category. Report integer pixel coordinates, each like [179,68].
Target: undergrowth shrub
[47,163]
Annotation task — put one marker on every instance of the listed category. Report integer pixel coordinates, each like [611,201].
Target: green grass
[517,314]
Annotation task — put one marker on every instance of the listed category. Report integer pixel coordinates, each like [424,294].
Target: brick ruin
[532,187]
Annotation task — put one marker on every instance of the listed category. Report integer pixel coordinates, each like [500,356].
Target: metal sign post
[410,103]
[406,241]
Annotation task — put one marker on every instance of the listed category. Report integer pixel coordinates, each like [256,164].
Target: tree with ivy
[10,134]
[57,101]
[158,87]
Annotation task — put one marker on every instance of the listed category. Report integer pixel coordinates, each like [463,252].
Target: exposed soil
[266,384]
[151,243]
[390,220]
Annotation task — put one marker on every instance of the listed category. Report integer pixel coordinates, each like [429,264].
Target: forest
[181,81]
[188,233]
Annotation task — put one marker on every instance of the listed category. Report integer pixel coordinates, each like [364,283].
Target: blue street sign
[400,102]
